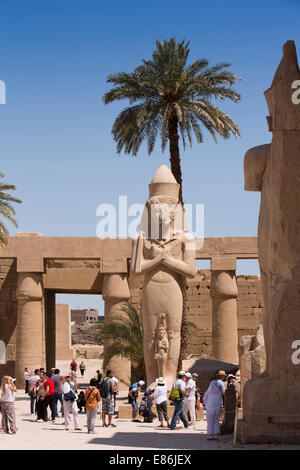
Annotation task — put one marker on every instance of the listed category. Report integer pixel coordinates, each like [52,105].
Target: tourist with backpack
[92,398]
[176,396]
[145,408]
[70,406]
[107,389]
[116,392]
[132,399]
[82,368]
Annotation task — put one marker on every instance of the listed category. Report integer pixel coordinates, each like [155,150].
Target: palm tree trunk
[174,152]
[176,170]
[184,323]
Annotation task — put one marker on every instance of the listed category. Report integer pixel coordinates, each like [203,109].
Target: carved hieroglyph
[272,401]
[162,251]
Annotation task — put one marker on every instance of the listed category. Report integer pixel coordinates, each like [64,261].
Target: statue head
[163,216]
[284,110]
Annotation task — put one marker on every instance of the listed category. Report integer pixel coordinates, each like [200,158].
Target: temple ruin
[33,268]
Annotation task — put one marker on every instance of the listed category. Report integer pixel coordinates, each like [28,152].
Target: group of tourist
[47,389]
[185,397]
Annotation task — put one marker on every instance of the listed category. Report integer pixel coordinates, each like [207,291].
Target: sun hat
[221,372]
[160,381]
[231,376]
[141,382]
[188,375]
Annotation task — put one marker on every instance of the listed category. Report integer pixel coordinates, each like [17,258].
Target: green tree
[174,100]
[6,209]
[124,334]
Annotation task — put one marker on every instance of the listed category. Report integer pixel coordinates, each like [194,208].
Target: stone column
[30,351]
[50,328]
[223,291]
[115,292]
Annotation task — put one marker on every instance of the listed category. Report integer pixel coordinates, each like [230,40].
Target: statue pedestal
[268,418]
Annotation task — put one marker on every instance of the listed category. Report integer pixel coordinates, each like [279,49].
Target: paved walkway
[126,436]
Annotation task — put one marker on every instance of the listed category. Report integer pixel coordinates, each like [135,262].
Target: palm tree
[173,100]
[6,209]
[124,334]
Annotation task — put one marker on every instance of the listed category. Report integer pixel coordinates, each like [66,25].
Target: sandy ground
[126,436]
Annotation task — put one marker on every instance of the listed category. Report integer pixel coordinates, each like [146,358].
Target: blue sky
[55,132]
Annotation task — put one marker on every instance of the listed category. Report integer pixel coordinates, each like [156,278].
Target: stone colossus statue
[272,401]
[162,251]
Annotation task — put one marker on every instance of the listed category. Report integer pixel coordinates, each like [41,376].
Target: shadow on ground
[160,441]
[83,385]
[25,397]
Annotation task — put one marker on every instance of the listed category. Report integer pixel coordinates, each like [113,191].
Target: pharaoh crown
[164,183]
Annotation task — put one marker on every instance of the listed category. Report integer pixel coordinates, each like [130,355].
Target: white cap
[141,382]
[181,372]
[188,375]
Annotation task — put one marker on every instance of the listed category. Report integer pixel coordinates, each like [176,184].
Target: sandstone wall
[63,345]
[250,304]
[8,313]
[249,309]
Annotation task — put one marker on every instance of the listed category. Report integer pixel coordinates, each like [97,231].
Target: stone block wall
[200,313]
[63,345]
[250,304]
[249,308]
[8,314]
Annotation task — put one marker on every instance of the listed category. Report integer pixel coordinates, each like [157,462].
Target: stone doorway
[58,327]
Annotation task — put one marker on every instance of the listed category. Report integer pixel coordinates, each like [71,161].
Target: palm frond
[6,209]
[166,86]
[124,333]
